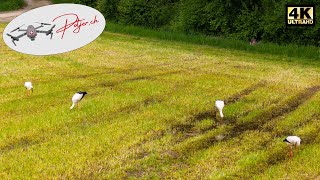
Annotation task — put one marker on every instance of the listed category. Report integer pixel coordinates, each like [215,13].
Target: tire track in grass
[24,142]
[28,141]
[257,123]
[237,130]
[283,109]
[138,78]
[135,152]
[149,101]
[102,84]
[142,154]
[101,71]
[155,135]
[110,84]
[275,155]
[279,133]
[100,166]
[186,128]
[212,113]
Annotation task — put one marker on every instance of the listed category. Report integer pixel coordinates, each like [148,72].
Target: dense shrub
[7,5]
[92,3]
[108,8]
[150,13]
[192,17]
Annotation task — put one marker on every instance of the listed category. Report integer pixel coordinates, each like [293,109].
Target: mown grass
[149,112]
[7,5]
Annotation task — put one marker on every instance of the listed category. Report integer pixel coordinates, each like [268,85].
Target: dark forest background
[236,19]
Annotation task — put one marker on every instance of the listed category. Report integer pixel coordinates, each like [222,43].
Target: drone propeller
[13,37]
[51,31]
[14,42]
[16,29]
[43,23]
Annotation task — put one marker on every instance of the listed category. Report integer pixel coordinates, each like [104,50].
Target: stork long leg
[290,151]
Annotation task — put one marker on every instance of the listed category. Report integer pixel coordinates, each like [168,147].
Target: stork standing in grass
[219,106]
[292,142]
[29,88]
[77,98]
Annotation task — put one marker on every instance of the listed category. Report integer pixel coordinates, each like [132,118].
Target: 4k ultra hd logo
[300,15]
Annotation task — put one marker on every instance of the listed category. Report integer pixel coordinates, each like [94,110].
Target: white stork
[77,97]
[292,142]
[29,88]
[219,106]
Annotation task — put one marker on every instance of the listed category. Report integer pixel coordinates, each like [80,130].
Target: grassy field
[149,112]
[7,5]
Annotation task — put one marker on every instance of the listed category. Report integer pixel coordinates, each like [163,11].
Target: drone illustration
[31,32]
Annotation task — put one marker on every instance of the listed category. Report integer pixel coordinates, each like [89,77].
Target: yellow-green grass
[149,113]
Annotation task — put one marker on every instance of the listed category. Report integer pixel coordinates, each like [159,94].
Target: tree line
[237,19]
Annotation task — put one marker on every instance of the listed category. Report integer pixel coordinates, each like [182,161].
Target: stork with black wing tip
[77,97]
[292,142]
[31,32]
